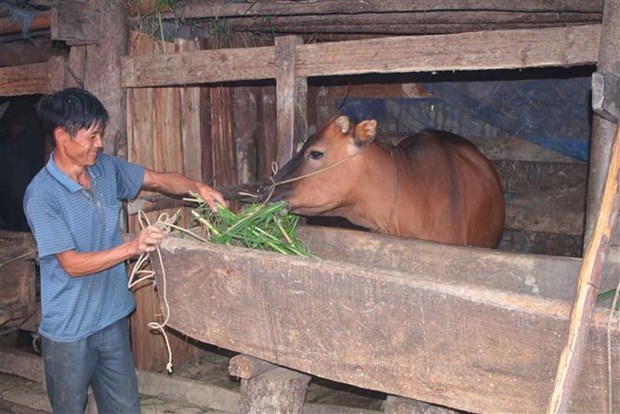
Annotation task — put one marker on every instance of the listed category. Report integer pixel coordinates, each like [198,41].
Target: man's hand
[212,197]
[178,184]
[148,239]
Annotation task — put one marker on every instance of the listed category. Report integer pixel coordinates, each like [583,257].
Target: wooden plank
[153,117]
[267,141]
[166,140]
[446,335]
[603,130]
[40,21]
[204,66]
[76,22]
[291,99]
[606,95]
[24,80]
[546,276]
[13,54]
[102,74]
[202,9]
[587,288]
[191,144]
[507,49]
[426,22]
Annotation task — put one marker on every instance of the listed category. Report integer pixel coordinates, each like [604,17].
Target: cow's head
[322,175]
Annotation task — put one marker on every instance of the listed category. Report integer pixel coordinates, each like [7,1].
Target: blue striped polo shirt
[63,216]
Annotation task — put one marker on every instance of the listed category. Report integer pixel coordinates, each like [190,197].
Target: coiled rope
[165,223]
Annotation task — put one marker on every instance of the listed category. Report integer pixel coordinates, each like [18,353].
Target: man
[72,206]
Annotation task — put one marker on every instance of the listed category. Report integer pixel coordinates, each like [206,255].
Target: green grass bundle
[257,226]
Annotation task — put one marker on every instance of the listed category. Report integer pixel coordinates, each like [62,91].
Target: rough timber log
[472,329]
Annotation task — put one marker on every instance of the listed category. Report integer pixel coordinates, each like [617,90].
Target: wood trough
[472,329]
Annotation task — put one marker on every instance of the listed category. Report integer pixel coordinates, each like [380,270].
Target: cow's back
[449,192]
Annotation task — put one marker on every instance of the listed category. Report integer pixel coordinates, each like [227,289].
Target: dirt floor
[20,395]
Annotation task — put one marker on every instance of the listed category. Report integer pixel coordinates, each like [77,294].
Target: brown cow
[433,185]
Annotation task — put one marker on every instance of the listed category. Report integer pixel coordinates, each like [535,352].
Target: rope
[165,222]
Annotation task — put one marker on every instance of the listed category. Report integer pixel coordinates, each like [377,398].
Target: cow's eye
[315,155]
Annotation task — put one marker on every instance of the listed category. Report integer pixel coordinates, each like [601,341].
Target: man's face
[82,149]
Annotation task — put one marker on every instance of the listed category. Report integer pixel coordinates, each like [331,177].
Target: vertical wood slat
[222,163]
[245,112]
[603,131]
[266,138]
[291,98]
[267,141]
[155,141]
[190,122]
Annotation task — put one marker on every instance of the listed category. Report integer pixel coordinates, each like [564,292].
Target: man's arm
[178,184]
[86,263]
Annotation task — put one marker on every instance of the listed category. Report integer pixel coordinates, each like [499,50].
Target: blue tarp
[552,113]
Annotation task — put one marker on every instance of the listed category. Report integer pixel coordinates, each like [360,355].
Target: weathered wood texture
[291,98]
[468,51]
[399,405]
[246,366]
[603,130]
[465,328]
[40,21]
[77,22]
[18,296]
[201,9]
[587,287]
[102,72]
[155,140]
[12,54]
[33,79]
[276,391]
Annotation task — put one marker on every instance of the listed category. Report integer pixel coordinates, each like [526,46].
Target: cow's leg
[267,388]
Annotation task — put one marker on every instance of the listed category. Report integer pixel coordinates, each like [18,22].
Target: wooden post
[267,388]
[603,129]
[291,98]
[103,74]
[587,288]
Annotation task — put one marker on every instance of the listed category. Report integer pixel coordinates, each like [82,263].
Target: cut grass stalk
[258,226]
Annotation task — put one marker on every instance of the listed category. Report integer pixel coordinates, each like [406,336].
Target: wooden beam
[213,9]
[509,49]
[40,21]
[76,22]
[606,95]
[102,72]
[205,66]
[603,129]
[291,99]
[34,79]
[410,23]
[460,327]
[17,54]
[587,288]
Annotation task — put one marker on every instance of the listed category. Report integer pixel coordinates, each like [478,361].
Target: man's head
[69,111]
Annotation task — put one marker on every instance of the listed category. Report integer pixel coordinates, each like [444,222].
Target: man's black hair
[72,109]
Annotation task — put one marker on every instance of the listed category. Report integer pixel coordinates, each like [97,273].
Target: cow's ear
[365,132]
[343,123]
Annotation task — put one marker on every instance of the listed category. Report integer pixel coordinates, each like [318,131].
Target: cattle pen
[476,330]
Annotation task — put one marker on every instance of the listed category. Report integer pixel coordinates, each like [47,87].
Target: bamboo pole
[587,287]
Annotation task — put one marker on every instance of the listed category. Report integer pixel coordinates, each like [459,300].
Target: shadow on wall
[22,155]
